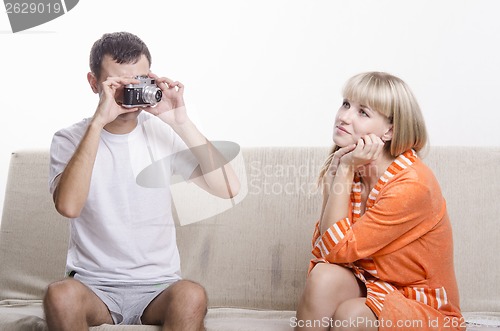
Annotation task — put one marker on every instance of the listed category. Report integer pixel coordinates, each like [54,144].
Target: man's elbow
[67,211]
[66,208]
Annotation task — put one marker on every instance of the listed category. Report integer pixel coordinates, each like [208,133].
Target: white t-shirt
[125,232]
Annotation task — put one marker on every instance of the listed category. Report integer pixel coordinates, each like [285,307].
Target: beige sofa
[252,258]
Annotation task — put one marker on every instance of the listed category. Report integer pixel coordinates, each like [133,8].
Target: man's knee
[70,305]
[58,294]
[65,297]
[194,296]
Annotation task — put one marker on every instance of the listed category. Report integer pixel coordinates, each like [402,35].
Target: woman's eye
[363,113]
[346,105]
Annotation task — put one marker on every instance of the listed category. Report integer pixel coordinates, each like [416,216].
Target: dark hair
[123,47]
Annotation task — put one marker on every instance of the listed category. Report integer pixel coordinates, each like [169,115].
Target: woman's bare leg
[354,315]
[327,287]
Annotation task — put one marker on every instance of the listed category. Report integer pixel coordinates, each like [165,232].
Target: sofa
[252,258]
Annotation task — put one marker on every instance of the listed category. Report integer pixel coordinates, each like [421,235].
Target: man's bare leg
[181,307]
[70,305]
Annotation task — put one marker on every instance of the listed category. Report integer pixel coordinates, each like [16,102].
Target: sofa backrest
[256,254]
[33,236]
[469,178]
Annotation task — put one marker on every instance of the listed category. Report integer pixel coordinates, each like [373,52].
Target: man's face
[109,68]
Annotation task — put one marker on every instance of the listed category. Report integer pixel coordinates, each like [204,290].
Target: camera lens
[151,94]
[158,95]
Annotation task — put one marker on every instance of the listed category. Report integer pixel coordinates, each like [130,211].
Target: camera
[144,94]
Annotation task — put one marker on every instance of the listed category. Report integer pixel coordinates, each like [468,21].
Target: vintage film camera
[144,94]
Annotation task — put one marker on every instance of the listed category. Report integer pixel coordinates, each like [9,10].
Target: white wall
[262,72]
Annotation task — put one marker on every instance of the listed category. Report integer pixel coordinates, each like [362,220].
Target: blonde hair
[391,97]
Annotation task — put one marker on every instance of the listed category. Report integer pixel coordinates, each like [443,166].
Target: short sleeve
[62,148]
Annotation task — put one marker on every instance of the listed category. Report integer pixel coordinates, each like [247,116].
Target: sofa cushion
[21,315]
[28,315]
[482,321]
[33,236]
[469,180]
[228,319]
[256,254]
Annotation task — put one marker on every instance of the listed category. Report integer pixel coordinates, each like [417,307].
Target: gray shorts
[127,302]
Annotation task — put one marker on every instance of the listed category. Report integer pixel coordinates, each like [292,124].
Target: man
[123,264]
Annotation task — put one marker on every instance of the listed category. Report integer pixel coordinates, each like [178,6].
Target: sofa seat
[28,315]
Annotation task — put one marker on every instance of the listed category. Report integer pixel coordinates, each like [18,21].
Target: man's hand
[171,108]
[108,109]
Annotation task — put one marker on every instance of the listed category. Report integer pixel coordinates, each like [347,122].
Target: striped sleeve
[323,244]
[403,213]
[436,298]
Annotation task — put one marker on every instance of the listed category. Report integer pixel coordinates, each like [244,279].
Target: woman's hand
[332,169]
[368,149]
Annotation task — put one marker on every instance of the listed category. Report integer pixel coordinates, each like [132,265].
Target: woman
[383,244]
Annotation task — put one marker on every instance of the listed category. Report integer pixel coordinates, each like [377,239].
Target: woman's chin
[341,141]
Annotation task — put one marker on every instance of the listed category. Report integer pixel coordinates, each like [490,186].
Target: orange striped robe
[401,248]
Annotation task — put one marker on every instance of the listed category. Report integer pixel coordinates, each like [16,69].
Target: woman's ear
[387,136]
[93,82]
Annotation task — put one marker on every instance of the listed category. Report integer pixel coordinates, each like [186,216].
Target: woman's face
[354,120]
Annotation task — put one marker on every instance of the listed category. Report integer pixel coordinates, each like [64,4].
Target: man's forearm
[217,173]
[74,182]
